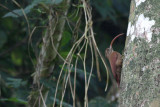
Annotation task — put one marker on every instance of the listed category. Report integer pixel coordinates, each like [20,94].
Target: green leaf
[48,83]
[3,38]
[30,7]
[16,58]
[19,11]
[15,82]
[64,54]
[80,6]
[50,1]
[66,38]
[16,100]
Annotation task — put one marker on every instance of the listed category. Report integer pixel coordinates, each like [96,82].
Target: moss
[140,75]
[132,11]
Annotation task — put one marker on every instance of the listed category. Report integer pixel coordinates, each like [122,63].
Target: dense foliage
[19,52]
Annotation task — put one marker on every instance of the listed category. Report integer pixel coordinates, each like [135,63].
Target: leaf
[30,7]
[16,58]
[4,75]
[64,54]
[48,83]
[3,38]
[16,100]
[15,82]
[66,38]
[19,11]
[51,1]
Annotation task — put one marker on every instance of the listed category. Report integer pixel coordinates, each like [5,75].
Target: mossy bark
[140,78]
[48,53]
[51,41]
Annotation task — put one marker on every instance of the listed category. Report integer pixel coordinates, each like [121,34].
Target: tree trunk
[140,78]
[48,53]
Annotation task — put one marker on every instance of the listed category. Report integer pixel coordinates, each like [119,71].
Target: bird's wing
[112,60]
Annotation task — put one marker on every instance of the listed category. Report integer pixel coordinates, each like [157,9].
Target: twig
[23,14]
[75,71]
[44,104]
[69,71]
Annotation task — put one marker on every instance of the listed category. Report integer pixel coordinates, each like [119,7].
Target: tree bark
[51,41]
[140,78]
[48,53]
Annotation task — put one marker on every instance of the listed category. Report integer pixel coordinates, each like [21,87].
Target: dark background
[110,18]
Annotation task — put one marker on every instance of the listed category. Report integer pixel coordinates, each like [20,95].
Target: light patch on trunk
[130,30]
[132,37]
[141,28]
[138,2]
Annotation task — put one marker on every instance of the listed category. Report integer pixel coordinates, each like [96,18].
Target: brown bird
[115,60]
